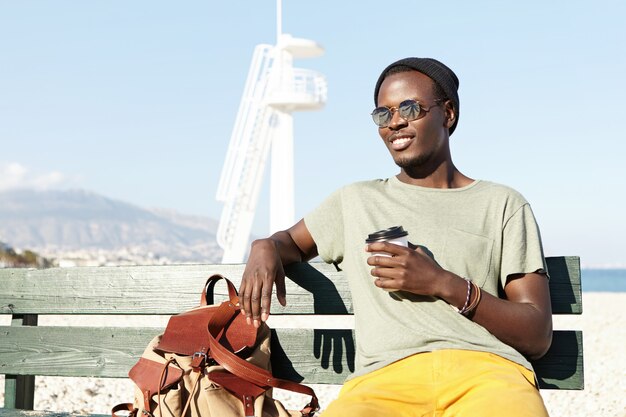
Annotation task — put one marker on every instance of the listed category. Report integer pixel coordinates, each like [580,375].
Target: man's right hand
[263,269]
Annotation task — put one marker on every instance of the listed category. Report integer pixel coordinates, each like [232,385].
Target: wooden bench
[319,356]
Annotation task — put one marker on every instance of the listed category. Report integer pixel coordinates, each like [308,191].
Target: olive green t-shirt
[484,232]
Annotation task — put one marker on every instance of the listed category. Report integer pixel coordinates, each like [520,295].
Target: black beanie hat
[434,69]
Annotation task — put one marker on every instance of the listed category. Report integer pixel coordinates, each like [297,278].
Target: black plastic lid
[387,234]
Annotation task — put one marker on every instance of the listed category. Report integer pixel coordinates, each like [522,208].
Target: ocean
[603,280]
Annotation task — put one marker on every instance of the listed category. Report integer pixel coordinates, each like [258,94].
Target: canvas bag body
[173,380]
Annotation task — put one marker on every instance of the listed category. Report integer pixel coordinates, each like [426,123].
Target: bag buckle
[199,355]
[197,360]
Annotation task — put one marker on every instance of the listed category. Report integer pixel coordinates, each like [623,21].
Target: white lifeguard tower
[274,89]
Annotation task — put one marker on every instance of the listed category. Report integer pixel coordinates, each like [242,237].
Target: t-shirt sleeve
[522,251]
[326,225]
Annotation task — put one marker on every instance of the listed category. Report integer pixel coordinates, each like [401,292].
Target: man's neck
[444,176]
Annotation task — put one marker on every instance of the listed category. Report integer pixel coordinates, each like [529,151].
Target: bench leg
[19,391]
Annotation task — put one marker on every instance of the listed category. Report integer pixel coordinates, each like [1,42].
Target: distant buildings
[52,257]
[12,258]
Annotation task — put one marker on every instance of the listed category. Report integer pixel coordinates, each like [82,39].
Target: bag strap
[244,369]
[128,409]
[207,297]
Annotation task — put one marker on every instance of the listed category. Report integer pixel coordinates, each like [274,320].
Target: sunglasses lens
[409,110]
[381,116]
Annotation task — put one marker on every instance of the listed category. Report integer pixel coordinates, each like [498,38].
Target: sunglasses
[409,110]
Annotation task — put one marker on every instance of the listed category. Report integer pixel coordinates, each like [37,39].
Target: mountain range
[57,221]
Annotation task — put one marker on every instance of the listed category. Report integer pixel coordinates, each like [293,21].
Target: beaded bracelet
[467,299]
[474,302]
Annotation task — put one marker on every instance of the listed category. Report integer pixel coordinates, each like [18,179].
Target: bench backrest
[299,354]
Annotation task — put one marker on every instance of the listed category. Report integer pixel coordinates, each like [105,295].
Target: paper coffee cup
[396,235]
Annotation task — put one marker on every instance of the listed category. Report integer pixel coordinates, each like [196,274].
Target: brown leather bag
[210,363]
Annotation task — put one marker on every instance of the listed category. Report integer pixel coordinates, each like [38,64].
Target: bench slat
[565,284]
[314,356]
[171,289]
[72,351]
[166,290]
[327,357]
[562,366]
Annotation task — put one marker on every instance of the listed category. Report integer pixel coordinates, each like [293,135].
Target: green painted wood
[324,356]
[313,356]
[19,390]
[562,366]
[565,284]
[314,288]
[155,290]
[308,355]
[327,357]
[10,390]
[106,290]
[72,351]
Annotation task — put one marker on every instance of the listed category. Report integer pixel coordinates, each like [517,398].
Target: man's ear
[450,113]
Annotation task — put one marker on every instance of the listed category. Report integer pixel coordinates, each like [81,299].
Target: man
[446,326]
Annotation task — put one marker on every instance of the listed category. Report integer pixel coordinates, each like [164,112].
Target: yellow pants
[446,383]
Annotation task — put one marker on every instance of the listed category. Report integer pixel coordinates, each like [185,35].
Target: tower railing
[305,89]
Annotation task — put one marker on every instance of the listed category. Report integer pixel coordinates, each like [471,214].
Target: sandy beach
[604,338]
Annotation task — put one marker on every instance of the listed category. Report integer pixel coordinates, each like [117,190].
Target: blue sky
[136,100]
